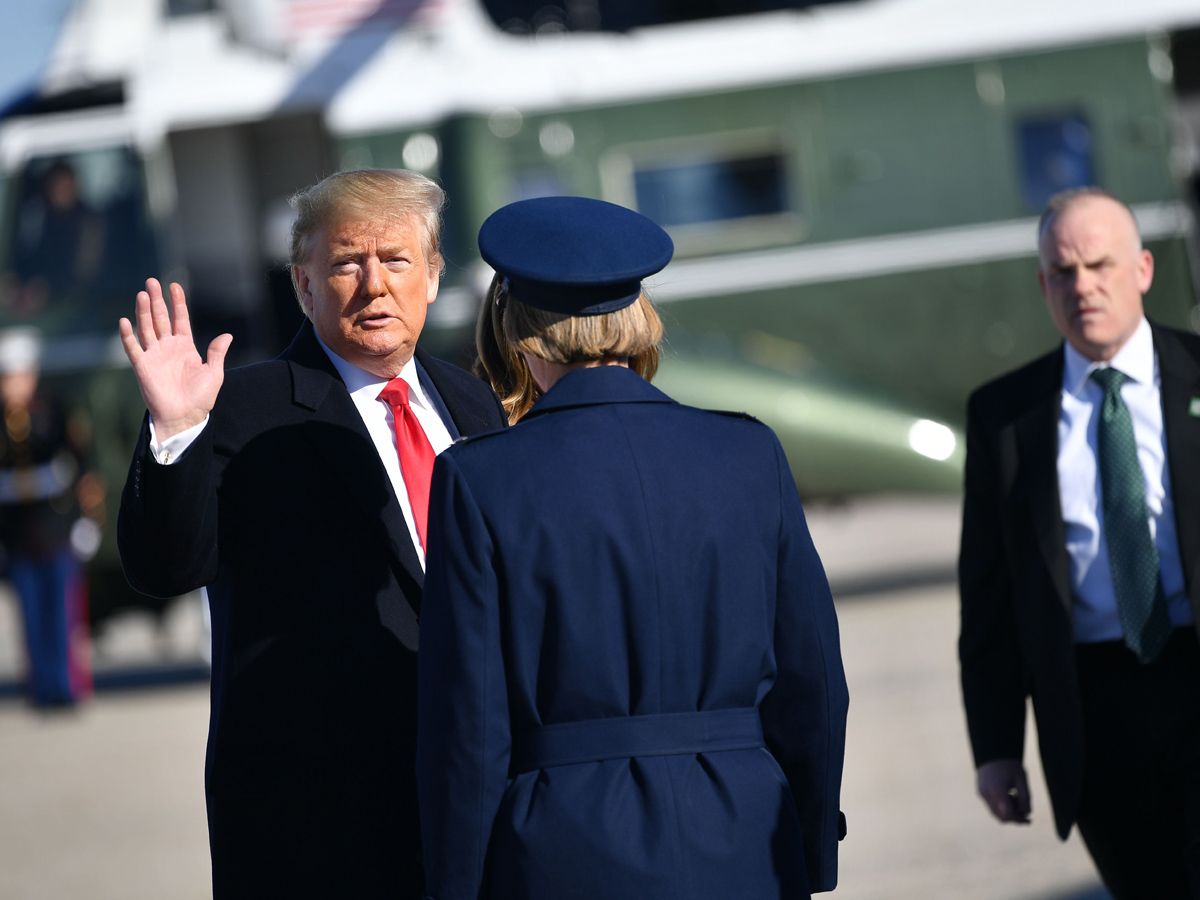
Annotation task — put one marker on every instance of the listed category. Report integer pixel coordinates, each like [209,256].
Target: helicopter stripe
[712,276]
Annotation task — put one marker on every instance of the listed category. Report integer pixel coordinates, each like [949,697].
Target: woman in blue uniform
[630,680]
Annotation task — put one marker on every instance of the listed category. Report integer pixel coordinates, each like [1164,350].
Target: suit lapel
[336,431]
[435,397]
[465,419]
[1179,372]
[1037,475]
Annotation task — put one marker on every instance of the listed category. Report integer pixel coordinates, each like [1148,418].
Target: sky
[28,29]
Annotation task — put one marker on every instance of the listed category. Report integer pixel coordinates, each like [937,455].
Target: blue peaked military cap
[573,255]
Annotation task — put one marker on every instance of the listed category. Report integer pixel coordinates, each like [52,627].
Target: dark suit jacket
[619,557]
[283,508]
[1014,572]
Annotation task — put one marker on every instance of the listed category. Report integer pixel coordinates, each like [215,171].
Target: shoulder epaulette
[735,415]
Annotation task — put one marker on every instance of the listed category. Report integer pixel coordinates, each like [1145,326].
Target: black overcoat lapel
[1179,372]
[1037,473]
[468,415]
[348,451]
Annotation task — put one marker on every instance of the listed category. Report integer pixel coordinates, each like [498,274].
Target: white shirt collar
[359,379]
[1135,359]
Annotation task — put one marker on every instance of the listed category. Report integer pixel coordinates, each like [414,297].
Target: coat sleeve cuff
[168,452]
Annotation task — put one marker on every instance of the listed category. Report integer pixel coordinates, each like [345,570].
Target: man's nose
[372,278]
[1084,281]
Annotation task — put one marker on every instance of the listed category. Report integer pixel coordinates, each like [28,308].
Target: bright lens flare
[931,439]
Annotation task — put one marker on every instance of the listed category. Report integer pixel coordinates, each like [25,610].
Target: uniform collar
[1135,359]
[600,384]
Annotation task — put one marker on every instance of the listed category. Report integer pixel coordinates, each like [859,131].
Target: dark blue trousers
[50,591]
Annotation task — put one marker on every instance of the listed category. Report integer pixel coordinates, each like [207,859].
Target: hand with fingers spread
[1004,787]
[178,387]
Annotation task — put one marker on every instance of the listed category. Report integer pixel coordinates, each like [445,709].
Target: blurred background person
[1081,533]
[41,461]
[59,246]
[630,682]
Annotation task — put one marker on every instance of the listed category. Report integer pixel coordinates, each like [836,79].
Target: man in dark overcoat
[1080,565]
[297,491]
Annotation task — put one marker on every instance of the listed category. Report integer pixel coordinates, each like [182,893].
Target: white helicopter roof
[443,57]
[476,68]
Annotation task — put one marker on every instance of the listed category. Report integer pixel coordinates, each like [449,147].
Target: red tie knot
[395,392]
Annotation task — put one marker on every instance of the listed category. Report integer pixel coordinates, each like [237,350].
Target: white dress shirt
[1095,606]
[377,416]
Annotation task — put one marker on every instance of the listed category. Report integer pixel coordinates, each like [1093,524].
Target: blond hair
[368,194]
[505,327]
[496,361]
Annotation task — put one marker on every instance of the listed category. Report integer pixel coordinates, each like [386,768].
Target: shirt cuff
[168,452]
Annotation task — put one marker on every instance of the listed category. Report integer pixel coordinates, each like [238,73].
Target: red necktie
[416,453]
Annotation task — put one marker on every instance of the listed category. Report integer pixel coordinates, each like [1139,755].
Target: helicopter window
[189,7]
[726,190]
[542,17]
[1055,155]
[77,242]
[694,192]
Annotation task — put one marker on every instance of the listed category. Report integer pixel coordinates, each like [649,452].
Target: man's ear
[1145,271]
[303,285]
[435,280]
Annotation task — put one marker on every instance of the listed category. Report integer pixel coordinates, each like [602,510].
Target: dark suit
[1014,571]
[624,613]
[283,508]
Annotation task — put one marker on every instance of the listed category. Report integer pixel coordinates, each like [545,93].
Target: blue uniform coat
[622,558]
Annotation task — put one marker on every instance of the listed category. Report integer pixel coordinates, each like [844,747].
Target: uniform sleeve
[463,738]
[804,714]
[167,526]
[992,681]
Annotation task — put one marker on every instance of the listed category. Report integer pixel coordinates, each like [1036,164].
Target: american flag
[308,19]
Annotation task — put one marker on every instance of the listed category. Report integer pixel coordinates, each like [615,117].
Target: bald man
[1080,565]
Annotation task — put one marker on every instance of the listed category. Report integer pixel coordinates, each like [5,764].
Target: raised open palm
[179,388]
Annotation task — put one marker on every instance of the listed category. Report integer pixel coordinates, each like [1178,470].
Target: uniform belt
[621,737]
[28,484]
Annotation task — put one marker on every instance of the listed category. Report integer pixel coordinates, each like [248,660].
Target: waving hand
[179,388]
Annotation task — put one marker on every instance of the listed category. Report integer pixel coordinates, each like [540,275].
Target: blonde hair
[368,194]
[498,363]
[505,327]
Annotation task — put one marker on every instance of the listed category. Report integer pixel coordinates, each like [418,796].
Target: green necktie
[1132,556]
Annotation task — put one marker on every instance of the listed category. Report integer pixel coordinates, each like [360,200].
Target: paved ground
[107,802]
[916,827]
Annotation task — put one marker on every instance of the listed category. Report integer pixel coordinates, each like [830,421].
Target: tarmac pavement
[106,802]
[916,827]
